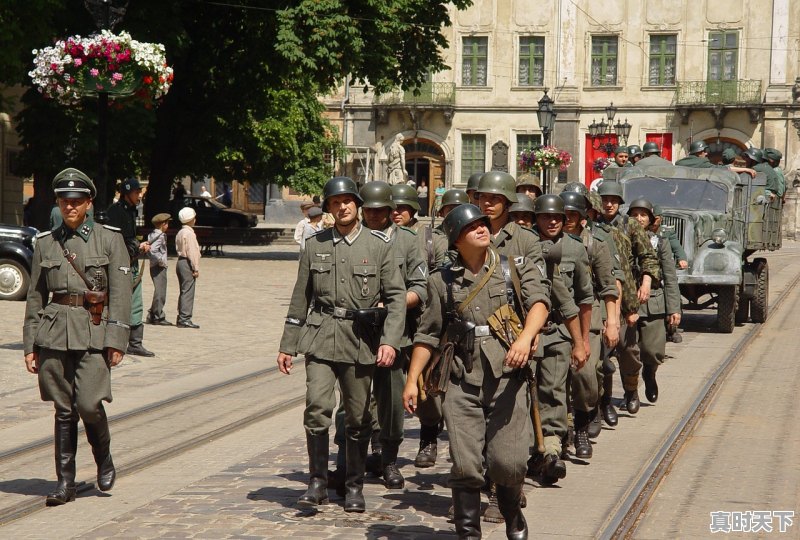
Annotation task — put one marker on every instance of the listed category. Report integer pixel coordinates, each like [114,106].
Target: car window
[678,193]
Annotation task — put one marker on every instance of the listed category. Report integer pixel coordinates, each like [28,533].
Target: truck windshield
[678,193]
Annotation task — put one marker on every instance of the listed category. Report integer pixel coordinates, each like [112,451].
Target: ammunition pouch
[94,302]
[371,318]
[505,325]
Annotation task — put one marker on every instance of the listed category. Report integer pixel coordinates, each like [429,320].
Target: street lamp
[598,131]
[547,119]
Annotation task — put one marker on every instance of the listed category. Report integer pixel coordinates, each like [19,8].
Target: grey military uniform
[487,406]
[72,367]
[665,299]
[123,216]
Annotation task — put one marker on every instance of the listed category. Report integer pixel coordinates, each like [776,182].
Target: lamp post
[598,131]
[547,119]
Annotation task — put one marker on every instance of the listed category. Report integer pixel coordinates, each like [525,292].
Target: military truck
[721,219]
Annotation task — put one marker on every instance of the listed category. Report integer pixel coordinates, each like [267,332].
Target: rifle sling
[71,260]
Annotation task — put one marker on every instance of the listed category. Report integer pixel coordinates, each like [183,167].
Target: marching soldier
[680,260]
[486,400]
[521,212]
[754,158]
[773,158]
[451,199]
[76,327]
[664,302]
[344,273]
[645,270]
[634,154]
[122,214]
[472,187]
[528,185]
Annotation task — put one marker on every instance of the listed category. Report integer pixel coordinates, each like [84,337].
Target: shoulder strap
[513,288]
[484,280]
[71,260]
[429,246]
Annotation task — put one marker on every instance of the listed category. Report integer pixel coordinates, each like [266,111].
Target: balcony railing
[738,92]
[434,93]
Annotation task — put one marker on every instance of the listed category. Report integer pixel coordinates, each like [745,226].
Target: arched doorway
[425,163]
[717,145]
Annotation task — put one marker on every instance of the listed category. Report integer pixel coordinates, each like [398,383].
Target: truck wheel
[759,304]
[743,310]
[14,280]
[727,303]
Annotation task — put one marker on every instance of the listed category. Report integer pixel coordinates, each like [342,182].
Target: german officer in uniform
[76,327]
[344,273]
[122,214]
[486,402]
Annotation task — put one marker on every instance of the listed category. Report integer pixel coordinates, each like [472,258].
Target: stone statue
[397,161]
[796,90]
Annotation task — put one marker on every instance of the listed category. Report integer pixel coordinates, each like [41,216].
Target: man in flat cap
[76,327]
[158,269]
[122,214]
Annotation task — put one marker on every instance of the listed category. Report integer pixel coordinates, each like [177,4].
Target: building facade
[722,72]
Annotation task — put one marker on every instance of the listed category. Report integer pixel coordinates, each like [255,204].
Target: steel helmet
[528,179]
[644,204]
[576,187]
[698,146]
[634,150]
[754,154]
[474,180]
[377,194]
[500,183]
[405,194]
[651,148]
[461,216]
[575,201]
[549,204]
[657,210]
[339,185]
[610,188]
[454,197]
[595,201]
[525,204]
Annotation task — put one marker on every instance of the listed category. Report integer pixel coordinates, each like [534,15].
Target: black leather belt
[68,299]
[337,312]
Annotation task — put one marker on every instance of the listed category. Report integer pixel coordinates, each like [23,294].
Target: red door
[592,154]
[664,142]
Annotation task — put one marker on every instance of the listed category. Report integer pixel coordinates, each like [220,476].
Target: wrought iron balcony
[739,92]
[441,94]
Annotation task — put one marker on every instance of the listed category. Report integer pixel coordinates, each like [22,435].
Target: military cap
[72,183]
[620,150]
[773,154]
[523,204]
[158,219]
[129,185]
[729,155]
[314,211]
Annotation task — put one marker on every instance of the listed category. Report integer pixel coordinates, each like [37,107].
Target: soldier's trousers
[552,376]
[630,363]
[354,381]
[186,299]
[79,378]
[159,276]
[652,340]
[137,306]
[496,416]
[585,385]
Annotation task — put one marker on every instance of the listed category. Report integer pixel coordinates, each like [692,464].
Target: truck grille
[678,225]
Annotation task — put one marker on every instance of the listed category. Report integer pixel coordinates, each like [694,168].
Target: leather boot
[354,480]
[100,439]
[631,396]
[583,448]
[594,428]
[336,478]
[650,384]
[392,476]
[317,492]
[374,461]
[66,445]
[553,469]
[492,513]
[135,346]
[607,408]
[426,457]
[509,499]
[466,513]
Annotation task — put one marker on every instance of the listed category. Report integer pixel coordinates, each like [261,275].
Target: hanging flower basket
[600,164]
[117,64]
[540,158]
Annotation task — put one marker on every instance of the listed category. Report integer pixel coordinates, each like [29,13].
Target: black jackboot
[336,478]
[317,492]
[135,346]
[100,439]
[66,445]
[609,412]
[354,479]
[373,464]
[466,513]
[509,500]
[392,476]
[583,448]
[650,384]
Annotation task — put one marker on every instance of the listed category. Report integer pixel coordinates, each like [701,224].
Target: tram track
[184,421]
[628,514]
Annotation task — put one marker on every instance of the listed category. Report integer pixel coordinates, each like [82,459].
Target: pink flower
[99,86]
[78,62]
[117,76]
[93,72]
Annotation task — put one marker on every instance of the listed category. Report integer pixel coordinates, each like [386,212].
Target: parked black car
[212,213]
[16,254]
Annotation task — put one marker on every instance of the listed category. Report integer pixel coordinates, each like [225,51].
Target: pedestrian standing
[313,226]
[301,225]
[76,327]
[188,267]
[158,269]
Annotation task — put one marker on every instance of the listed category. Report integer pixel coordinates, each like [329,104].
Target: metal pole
[104,191]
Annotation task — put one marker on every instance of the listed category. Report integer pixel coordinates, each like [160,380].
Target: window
[723,52]
[473,155]
[604,60]
[474,61]
[526,142]
[531,61]
[662,59]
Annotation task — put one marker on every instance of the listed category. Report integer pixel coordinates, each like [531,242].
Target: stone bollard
[791,210]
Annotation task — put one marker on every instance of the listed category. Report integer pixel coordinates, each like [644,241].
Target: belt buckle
[482,331]
[339,312]
[73,299]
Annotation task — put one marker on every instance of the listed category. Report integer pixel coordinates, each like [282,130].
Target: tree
[244,101]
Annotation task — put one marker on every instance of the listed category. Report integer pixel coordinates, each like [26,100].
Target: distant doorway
[425,163]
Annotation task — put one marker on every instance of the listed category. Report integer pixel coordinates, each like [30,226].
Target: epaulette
[412,231]
[575,237]
[315,233]
[112,228]
[43,234]
[382,235]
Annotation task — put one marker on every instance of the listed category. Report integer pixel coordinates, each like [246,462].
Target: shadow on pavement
[28,486]
[381,531]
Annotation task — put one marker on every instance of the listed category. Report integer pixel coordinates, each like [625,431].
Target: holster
[94,302]
[461,334]
[371,318]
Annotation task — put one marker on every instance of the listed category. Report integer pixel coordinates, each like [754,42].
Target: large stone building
[723,72]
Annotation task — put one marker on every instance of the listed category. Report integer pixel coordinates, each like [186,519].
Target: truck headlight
[719,236]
